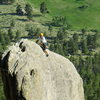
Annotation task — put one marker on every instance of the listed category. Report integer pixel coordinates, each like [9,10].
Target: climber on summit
[43,43]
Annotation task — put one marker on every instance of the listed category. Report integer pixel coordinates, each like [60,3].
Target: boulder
[29,75]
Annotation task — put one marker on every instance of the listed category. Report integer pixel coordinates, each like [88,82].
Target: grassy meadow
[78,18]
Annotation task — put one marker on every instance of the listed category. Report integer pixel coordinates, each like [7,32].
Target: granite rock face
[29,75]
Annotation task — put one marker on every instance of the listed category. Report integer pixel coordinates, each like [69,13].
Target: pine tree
[60,49]
[50,28]
[37,31]
[89,65]
[1,47]
[73,47]
[75,37]
[83,31]
[12,23]
[7,38]
[60,21]
[43,8]
[30,33]
[96,61]
[29,16]
[64,21]
[62,33]
[18,34]
[10,34]
[89,41]
[12,1]
[28,9]
[65,47]
[84,47]
[95,38]
[2,39]
[51,47]
[18,10]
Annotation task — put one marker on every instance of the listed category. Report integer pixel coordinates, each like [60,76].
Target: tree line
[7,37]
[28,10]
[80,49]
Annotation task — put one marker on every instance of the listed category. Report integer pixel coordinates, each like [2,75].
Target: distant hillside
[76,37]
[79,13]
[8,14]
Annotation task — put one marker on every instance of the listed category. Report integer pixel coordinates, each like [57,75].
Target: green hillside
[79,18]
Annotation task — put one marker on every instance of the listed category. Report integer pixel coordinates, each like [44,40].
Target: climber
[43,43]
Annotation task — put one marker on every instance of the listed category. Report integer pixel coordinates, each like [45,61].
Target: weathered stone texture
[30,75]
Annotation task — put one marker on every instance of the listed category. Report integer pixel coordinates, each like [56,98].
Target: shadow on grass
[7,27]
[5,3]
[37,15]
[27,37]
[4,14]
[51,38]
[23,20]
[34,37]
[47,23]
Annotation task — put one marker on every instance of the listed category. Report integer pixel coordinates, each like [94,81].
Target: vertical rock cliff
[29,75]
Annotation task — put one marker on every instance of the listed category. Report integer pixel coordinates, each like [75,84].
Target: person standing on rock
[43,43]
